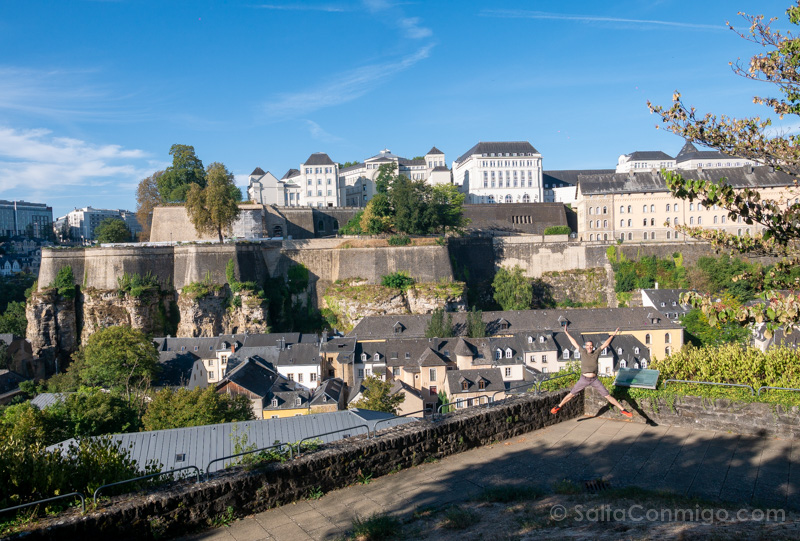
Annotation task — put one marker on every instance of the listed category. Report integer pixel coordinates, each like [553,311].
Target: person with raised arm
[589,377]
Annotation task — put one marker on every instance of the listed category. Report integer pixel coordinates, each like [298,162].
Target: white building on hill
[500,172]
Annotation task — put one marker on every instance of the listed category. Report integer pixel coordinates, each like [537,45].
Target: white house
[500,172]
[647,160]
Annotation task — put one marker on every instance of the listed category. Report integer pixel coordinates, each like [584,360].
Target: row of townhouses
[290,374]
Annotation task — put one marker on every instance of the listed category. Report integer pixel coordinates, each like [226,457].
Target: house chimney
[656,285]
[233,348]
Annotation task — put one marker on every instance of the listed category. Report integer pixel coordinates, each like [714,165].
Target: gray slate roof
[319,158]
[351,168]
[291,173]
[649,181]
[690,152]
[434,150]
[510,147]
[492,377]
[201,444]
[649,155]
[570,176]
[257,172]
[587,319]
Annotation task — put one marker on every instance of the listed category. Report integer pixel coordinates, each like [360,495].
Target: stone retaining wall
[752,418]
[186,506]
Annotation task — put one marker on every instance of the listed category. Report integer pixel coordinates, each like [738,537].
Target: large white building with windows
[500,172]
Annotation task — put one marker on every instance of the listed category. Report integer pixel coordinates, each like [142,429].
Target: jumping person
[588,377]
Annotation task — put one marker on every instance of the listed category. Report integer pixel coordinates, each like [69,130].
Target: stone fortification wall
[172,224]
[174,266]
[757,419]
[186,506]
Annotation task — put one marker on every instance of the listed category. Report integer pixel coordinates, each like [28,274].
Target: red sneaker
[627,414]
[555,410]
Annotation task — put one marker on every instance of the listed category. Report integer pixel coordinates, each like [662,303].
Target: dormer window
[644,363]
[530,339]
[619,351]
[298,401]
[623,363]
[566,354]
[274,402]
[509,353]
[482,384]
[376,357]
[663,304]
[464,385]
[604,352]
[577,354]
[408,355]
[674,303]
[541,339]
[636,350]
[498,354]
[363,357]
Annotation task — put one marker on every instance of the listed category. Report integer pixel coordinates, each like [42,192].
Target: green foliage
[512,290]
[439,326]
[136,285]
[237,286]
[377,216]
[386,175]
[298,279]
[198,290]
[611,254]
[117,357]
[399,240]
[376,528]
[186,170]
[112,230]
[401,280]
[645,272]
[376,396]
[13,320]
[700,333]
[476,328]
[16,288]
[353,226]
[557,230]
[64,284]
[28,472]
[213,209]
[718,275]
[182,407]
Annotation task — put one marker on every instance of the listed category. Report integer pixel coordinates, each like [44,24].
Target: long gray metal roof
[199,445]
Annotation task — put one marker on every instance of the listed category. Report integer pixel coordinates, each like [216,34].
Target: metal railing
[462,400]
[37,502]
[309,438]
[143,477]
[752,391]
[775,389]
[539,384]
[375,426]
[526,386]
[222,458]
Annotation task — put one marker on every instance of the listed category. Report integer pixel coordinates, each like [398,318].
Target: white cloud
[345,87]
[410,26]
[36,165]
[304,7]
[524,14]
[317,132]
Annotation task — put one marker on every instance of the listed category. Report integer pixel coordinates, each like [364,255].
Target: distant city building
[32,220]
[645,161]
[688,158]
[83,222]
[500,172]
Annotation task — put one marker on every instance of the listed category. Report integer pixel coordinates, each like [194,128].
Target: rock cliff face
[350,301]
[52,326]
[103,308]
[219,312]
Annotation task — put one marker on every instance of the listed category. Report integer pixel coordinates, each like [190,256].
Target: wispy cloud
[410,26]
[43,167]
[346,87]
[318,133]
[305,7]
[524,14]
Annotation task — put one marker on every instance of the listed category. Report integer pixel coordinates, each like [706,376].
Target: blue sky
[94,93]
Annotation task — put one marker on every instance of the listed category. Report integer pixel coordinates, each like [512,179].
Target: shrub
[557,230]
[399,240]
[198,290]
[64,283]
[398,280]
[136,285]
[353,227]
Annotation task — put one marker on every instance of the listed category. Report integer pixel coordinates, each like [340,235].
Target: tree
[512,290]
[749,138]
[213,209]
[90,411]
[13,320]
[112,230]
[376,396]
[447,208]
[439,326]
[182,408]
[147,198]
[386,174]
[476,328]
[377,216]
[118,357]
[186,170]
[410,201]
[700,333]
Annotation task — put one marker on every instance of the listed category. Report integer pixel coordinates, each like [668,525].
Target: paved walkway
[712,465]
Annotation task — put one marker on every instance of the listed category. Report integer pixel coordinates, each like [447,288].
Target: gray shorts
[584,382]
